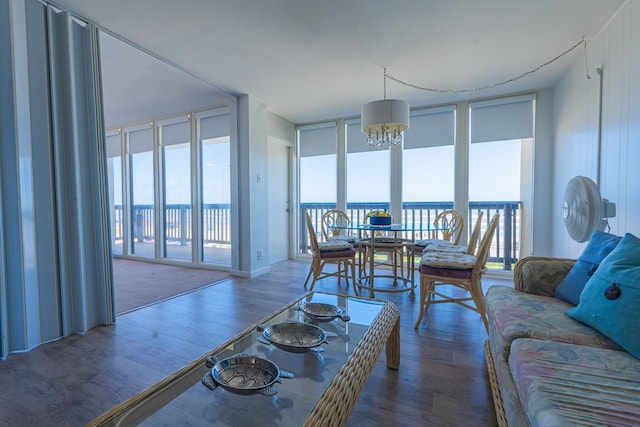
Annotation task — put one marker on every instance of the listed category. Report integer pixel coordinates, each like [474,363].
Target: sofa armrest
[540,275]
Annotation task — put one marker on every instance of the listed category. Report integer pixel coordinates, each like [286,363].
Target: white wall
[616,49]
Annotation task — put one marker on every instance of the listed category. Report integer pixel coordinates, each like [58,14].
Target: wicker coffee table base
[495,387]
[338,401]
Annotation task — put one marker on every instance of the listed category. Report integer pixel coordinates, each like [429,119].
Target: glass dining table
[397,242]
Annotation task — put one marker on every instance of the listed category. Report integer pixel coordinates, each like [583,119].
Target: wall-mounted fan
[584,210]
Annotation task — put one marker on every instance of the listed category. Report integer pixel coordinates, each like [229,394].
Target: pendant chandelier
[384,121]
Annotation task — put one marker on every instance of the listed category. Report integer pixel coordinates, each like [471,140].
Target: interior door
[278,193]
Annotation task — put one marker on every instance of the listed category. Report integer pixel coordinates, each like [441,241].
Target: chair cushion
[343,253]
[426,242]
[459,261]
[611,297]
[452,273]
[599,246]
[334,245]
[444,246]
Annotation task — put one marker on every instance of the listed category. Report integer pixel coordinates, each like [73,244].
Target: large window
[216,187]
[318,167]
[176,150]
[500,157]
[141,170]
[318,174]
[368,173]
[114,171]
[428,164]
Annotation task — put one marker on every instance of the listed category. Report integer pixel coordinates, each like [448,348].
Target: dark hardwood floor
[442,379]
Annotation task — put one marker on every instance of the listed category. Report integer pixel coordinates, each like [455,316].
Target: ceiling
[315,60]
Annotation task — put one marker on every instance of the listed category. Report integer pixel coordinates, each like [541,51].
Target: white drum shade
[383,115]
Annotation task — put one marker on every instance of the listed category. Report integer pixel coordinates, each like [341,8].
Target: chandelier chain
[384,79]
[490,86]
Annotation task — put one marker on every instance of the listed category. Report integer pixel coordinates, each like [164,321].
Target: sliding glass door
[176,155]
[141,172]
[215,149]
[114,182]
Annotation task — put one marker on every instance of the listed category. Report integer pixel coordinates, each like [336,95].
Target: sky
[428,175]
[216,175]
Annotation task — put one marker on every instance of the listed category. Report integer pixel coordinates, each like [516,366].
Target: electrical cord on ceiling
[504,82]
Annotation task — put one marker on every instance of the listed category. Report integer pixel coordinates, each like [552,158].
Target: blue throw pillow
[573,283]
[611,299]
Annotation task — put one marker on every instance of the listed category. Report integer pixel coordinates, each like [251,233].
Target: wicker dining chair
[331,222]
[459,270]
[447,246]
[339,253]
[449,224]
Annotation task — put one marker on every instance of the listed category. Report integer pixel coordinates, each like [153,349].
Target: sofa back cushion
[599,246]
[611,297]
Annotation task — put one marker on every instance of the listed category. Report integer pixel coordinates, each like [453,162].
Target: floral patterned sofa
[546,368]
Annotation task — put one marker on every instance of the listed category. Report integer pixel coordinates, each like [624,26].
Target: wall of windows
[481,163]
[170,197]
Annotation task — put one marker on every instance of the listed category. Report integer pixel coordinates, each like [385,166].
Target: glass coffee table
[326,383]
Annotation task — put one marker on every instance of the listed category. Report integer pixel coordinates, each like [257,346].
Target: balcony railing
[505,248]
[216,222]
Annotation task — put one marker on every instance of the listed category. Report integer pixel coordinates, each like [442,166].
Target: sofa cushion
[513,314]
[599,246]
[566,384]
[610,300]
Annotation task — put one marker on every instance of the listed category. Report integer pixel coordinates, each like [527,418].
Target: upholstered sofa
[548,369]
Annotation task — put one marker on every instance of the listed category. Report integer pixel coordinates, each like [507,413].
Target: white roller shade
[175,133]
[502,119]
[112,143]
[318,140]
[140,141]
[431,127]
[214,126]
[356,139]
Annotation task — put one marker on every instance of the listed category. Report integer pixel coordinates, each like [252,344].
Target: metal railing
[216,222]
[505,248]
